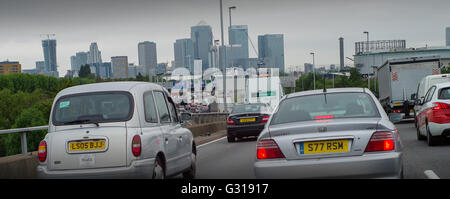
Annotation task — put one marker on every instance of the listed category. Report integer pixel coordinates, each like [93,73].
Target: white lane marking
[431,175]
[199,146]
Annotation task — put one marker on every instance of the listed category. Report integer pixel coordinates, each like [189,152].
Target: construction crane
[48,35]
[252,44]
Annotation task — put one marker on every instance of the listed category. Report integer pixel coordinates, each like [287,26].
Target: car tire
[190,174]
[419,137]
[231,139]
[158,169]
[431,140]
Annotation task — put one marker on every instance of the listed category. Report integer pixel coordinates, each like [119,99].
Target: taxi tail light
[136,146]
[42,151]
[381,141]
[230,121]
[265,118]
[268,149]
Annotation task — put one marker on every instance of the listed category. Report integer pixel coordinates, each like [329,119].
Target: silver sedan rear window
[325,106]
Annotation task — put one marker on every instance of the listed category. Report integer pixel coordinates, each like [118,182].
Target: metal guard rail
[23,134]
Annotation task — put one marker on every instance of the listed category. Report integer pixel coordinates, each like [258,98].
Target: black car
[247,120]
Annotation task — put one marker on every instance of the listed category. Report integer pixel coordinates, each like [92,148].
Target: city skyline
[306,25]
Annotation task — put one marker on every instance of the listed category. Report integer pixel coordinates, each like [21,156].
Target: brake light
[42,151]
[381,141]
[265,118]
[440,105]
[268,149]
[136,146]
[397,111]
[230,121]
[320,117]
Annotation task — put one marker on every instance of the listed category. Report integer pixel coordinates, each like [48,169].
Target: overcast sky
[308,25]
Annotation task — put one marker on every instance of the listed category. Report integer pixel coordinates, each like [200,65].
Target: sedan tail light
[42,151]
[440,105]
[381,141]
[136,146]
[230,121]
[268,149]
[265,118]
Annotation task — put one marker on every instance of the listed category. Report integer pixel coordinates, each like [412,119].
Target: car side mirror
[395,117]
[417,102]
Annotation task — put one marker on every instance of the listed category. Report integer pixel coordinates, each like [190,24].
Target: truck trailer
[398,80]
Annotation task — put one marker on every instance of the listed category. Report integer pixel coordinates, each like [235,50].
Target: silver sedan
[335,133]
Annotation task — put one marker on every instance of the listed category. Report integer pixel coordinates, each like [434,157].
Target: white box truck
[398,80]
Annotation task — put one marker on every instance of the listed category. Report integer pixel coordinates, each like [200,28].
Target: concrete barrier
[24,166]
[19,166]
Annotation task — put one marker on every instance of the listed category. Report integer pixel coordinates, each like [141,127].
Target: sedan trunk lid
[324,138]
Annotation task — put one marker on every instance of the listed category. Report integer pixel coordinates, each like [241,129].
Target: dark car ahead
[247,120]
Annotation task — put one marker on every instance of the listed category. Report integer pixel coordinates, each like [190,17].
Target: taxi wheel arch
[161,160]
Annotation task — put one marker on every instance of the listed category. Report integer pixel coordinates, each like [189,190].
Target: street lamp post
[367,44]
[224,68]
[314,71]
[231,35]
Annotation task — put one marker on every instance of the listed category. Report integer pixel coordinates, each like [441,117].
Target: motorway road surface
[222,160]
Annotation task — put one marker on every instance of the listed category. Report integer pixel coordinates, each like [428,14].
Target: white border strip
[430,174]
[199,146]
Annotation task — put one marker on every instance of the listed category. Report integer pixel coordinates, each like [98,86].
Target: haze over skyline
[307,26]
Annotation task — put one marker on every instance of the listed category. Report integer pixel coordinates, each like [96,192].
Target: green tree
[139,77]
[85,71]
[28,117]
[445,70]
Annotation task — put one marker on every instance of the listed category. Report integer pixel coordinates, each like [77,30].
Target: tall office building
[232,52]
[94,55]
[162,68]
[202,39]
[147,57]
[183,50]
[134,70]
[308,68]
[49,49]
[94,58]
[40,66]
[107,70]
[119,65]
[447,36]
[238,36]
[271,50]
[80,59]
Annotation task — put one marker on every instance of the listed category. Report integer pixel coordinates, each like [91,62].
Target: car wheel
[158,170]
[231,139]
[419,137]
[431,140]
[190,174]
